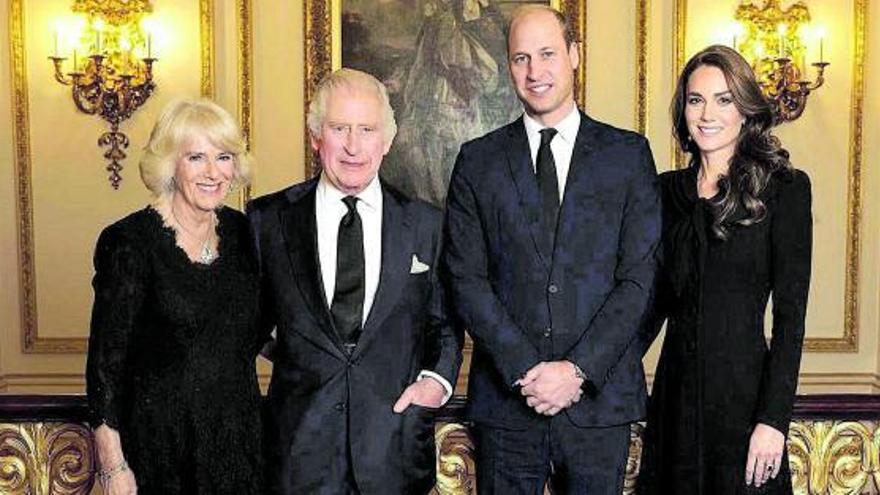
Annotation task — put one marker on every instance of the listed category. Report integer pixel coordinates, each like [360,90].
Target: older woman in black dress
[737,228]
[171,374]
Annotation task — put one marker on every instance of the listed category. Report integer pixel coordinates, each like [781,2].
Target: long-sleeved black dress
[717,378]
[172,356]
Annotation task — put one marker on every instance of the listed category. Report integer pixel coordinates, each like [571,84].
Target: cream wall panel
[278,95]
[611,62]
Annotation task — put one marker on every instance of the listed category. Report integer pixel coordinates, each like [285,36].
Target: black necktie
[548,184]
[348,297]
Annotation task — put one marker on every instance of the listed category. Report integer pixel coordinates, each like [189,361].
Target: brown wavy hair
[758,153]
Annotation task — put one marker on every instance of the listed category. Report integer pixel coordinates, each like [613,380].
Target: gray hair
[350,79]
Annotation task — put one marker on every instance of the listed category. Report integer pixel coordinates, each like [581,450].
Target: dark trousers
[573,460]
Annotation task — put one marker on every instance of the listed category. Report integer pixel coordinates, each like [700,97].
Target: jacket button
[547,332]
[340,406]
[553,289]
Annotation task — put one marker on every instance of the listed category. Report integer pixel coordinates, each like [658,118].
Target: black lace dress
[172,354]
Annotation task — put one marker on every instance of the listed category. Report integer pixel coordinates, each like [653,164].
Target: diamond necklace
[206,254]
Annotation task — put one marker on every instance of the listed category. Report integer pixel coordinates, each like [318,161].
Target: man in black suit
[552,227]
[364,353]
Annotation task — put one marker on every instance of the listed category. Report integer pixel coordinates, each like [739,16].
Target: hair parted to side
[180,121]
[568,32]
[351,80]
[758,153]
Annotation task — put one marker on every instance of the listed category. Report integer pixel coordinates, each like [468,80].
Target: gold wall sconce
[111,71]
[776,43]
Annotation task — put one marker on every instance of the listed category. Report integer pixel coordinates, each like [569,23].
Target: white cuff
[446,385]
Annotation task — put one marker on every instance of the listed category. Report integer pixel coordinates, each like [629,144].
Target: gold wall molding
[849,341]
[206,31]
[244,13]
[678,49]
[643,8]
[32,343]
[46,458]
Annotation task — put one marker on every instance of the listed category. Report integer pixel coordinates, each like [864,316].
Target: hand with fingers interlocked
[765,454]
[550,387]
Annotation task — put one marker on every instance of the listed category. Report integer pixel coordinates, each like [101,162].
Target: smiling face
[351,143]
[713,120]
[542,66]
[202,174]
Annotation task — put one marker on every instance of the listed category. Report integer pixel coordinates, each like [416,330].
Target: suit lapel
[578,181]
[397,249]
[519,159]
[301,238]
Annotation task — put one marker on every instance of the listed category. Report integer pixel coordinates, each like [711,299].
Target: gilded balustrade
[834,447]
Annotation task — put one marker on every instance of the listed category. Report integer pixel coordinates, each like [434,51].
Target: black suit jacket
[323,402]
[585,301]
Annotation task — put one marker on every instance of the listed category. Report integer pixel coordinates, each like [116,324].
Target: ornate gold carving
[634,461]
[835,456]
[849,342]
[642,25]
[114,11]
[825,457]
[455,461]
[32,343]
[46,458]
[245,78]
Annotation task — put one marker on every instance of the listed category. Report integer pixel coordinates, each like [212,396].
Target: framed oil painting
[444,64]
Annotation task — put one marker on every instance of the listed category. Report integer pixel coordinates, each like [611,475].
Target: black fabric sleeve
[791,252]
[119,285]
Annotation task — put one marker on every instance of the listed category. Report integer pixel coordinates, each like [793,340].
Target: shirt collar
[567,127]
[371,196]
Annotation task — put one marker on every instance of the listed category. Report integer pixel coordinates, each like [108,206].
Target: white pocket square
[417,266]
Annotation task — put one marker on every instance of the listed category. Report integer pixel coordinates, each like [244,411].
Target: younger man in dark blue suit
[551,232]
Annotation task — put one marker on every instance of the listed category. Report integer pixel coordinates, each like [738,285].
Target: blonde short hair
[350,79]
[180,121]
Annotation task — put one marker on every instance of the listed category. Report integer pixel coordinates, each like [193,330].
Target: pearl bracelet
[105,475]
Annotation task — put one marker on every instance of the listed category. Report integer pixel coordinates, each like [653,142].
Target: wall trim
[642,36]
[245,22]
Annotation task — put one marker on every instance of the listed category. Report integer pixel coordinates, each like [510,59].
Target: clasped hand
[550,387]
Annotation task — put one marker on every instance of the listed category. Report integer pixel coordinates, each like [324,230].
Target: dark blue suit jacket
[585,301]
[324,403]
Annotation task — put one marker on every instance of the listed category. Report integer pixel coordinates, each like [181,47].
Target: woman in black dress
[171,376]
[736,227]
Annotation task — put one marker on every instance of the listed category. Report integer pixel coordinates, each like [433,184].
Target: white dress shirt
[329,210]
[562,145]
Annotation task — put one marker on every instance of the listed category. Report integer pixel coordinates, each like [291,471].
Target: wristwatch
[579,373]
